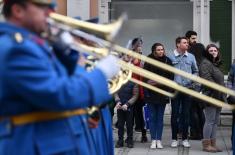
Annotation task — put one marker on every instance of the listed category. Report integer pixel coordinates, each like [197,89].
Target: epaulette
[18,37]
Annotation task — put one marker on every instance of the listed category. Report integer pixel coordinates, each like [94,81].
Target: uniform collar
[6,27]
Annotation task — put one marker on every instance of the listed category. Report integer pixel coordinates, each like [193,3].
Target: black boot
[144,139]
[119,144]
[130,143]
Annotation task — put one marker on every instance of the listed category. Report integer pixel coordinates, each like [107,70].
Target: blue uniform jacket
[33,79]
[102,136]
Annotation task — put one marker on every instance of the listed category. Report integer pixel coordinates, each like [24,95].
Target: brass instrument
[165,81]
[125,76]
[107,33]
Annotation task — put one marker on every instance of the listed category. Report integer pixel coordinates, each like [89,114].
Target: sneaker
[159,144]
[186,143]
[174,143]
[153,144]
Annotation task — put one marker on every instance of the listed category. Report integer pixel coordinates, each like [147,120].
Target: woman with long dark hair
[209,69]
[157,102]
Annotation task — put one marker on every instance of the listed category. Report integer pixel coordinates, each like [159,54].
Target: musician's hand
[92,123]
[82,60]
[109,66]
[62,42]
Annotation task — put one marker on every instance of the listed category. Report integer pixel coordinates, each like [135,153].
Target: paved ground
[223,136]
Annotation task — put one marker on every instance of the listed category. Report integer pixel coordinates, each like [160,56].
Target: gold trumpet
[101,52]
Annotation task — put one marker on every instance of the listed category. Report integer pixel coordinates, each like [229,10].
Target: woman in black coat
[157,102]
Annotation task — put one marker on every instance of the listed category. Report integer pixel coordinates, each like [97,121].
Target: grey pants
[212,115]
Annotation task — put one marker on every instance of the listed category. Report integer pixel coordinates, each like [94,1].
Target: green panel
[221,29]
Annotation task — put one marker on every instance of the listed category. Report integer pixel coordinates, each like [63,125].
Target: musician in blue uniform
[44,98]
[101,124]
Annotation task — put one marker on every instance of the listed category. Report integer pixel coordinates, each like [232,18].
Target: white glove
[67,38]
[109,66]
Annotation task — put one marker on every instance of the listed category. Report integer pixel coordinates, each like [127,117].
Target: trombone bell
[108,31]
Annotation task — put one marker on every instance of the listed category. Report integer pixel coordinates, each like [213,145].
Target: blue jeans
[180,107]
[156,113]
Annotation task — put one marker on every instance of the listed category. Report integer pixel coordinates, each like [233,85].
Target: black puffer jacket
[152,96]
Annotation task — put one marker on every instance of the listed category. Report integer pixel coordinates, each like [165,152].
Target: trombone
[108,31]
[101,52]
[124,76]
[164,81]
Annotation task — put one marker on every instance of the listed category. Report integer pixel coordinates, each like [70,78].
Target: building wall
[162,22]
[220,24]
[221,29]
[62,7]
[93,8]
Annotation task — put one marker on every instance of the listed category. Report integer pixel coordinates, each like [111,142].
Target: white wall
[154,21]
[79,8]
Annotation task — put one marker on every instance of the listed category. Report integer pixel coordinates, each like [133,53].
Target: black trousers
[125,117]
[197,120]
[138,116]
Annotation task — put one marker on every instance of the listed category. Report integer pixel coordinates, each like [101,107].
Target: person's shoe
[213,144]
[159,144]
[186,143]
[144,139]
[174,143]
[153,144]
[206,146]
[130,144]
[119,144]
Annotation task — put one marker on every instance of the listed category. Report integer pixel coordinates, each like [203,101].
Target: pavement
[223,141]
